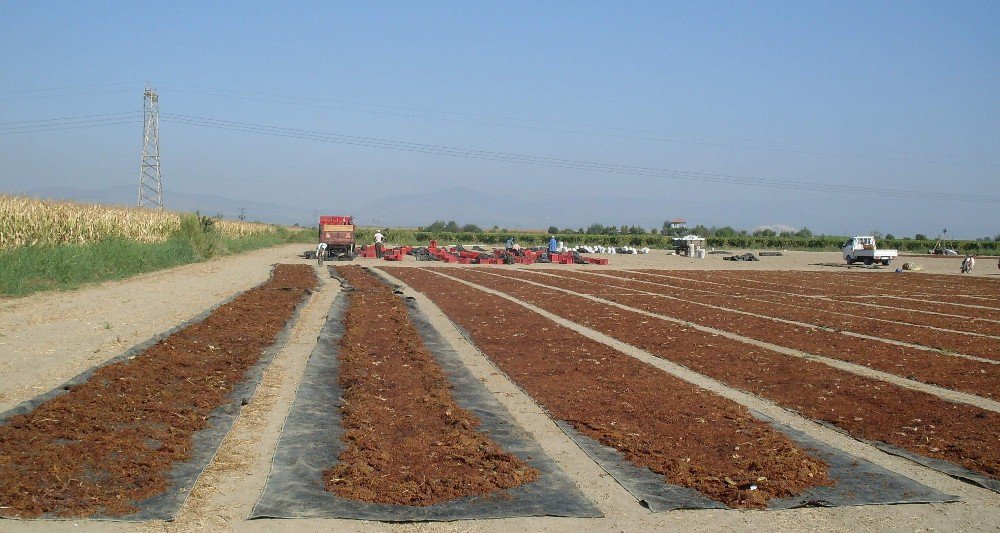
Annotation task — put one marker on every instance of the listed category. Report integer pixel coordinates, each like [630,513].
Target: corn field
[32,222]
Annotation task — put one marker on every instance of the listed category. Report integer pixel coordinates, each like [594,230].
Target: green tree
[725,231]
[595,229]
[436,226]
[920,237]
[804,232]
[452,227]
[701,231]
[553,230]
[472,228]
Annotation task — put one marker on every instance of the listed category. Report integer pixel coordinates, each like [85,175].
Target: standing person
[378,244]
[509,245]
[320,253]
[553,245]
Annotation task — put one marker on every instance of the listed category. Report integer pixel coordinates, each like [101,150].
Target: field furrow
[692,437]
[863,407]
[969,344]
[112,441]
[965,375]
[408,441]
[792,283]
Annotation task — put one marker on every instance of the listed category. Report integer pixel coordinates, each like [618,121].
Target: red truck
[338,234]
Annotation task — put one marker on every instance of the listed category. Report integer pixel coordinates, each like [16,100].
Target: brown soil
[864,407]
[409,443]
[729,286]
[692,437]
[800,309]
[112,441]
[937,293]
[974,377]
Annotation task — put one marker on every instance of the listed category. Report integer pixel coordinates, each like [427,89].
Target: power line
[64,123]
[565,127]
[59,119]
[561,163]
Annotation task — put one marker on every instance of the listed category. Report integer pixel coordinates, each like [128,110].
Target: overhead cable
[405,146]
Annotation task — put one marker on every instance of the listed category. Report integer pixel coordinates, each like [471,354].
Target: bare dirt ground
[50,337]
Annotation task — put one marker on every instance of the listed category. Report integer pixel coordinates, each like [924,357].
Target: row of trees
[439,226]
[667,230]
[677,231]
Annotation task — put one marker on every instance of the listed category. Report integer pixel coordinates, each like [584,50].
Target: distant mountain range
[468,206]
[461,204]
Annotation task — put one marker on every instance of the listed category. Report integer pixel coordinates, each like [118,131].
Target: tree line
[669,230]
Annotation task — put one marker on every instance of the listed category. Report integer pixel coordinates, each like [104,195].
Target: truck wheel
[850,260]
[869,260]
[885,262]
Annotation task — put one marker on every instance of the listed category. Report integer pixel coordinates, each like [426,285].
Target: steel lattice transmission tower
[150,186]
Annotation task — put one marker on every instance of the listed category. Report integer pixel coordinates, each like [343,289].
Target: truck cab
[864,249]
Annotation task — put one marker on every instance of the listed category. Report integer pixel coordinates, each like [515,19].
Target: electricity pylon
[150,187]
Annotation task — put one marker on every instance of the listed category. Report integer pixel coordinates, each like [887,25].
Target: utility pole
[150,186]
[243,214]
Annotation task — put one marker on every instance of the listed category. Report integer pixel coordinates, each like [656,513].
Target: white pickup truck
[862,248]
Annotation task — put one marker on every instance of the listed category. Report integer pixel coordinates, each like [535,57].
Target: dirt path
[50,337]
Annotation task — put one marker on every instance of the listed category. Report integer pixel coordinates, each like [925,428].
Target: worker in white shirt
[378,244]
[320,253]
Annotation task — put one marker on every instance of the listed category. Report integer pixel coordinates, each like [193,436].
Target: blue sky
[865,95]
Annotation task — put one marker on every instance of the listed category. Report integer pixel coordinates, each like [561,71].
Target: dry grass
[30,221]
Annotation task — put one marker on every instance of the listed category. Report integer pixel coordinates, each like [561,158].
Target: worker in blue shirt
[553,245]
[510,243]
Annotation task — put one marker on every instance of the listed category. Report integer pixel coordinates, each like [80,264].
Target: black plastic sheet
[184,475]
[310,443]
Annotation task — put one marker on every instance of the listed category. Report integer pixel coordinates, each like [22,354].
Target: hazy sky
[887,101]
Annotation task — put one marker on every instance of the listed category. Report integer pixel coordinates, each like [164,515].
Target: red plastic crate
[597,260]
[336,220]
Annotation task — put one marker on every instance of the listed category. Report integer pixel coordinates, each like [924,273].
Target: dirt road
[47,338]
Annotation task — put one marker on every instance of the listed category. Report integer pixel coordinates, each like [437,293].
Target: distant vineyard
[33,222]
[744,242]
